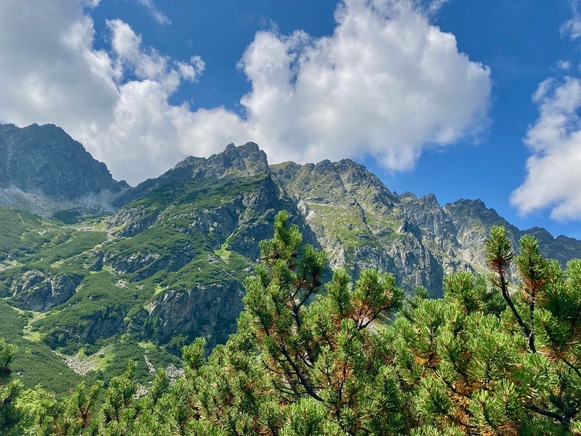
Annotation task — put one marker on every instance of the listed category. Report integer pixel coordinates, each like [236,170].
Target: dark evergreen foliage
[491,357]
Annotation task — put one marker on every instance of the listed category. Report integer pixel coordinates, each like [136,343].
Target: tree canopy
[351,357]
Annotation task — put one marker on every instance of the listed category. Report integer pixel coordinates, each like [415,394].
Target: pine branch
[570,365]
[506,295]
[532,320]
[302,379]
[544,412]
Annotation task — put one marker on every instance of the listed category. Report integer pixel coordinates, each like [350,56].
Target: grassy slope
[53,247]
[35,363]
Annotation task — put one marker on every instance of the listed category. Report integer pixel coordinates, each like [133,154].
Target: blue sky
[460,98]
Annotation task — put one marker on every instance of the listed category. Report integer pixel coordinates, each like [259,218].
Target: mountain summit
[44,170]
[244,161]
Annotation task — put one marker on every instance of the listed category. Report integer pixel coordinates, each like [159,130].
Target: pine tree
[547,309]
[495,356]
[306,357]
[10,390]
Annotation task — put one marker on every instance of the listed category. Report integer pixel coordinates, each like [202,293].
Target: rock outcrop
[40,292]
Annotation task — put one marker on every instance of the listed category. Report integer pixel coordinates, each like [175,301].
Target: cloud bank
[553,176]
[385,84]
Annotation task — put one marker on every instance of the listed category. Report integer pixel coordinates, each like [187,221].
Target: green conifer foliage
[10,390]
[490,358]
[7,352]
[307,358]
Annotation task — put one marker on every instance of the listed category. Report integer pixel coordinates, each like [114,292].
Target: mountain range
[93,270]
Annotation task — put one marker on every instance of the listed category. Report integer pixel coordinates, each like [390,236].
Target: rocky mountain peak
[469,215]
[430,200]
[43,165]
[47,160]
[332,182]
[472,206]
[243,160]
[541,235]
[246,160]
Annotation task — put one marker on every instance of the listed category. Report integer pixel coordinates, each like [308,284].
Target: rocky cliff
[43,170]
[361,224]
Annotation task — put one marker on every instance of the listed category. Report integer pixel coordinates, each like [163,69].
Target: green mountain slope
[169,263]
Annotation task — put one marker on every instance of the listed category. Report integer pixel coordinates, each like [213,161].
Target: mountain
[167,263]
[43,170]
[361,224]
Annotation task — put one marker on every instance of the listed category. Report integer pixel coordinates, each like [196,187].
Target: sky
[460,98]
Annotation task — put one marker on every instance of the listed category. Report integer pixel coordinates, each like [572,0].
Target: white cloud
[430,7]
[48,69]
[553,177]
[91,3]
[157,15]
[572,27]
[386,83]
[148,64]
[115,103]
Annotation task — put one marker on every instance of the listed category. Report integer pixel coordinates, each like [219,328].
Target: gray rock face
[43,166]
[40,292]
[207,310]
[361,224]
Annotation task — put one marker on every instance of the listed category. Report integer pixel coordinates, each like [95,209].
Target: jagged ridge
[169,264]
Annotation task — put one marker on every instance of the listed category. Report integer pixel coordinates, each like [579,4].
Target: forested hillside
[353,357]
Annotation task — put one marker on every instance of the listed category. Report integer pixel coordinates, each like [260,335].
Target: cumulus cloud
[115,102]
[386,83]
[148,64]
[553,177]
[49,71]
